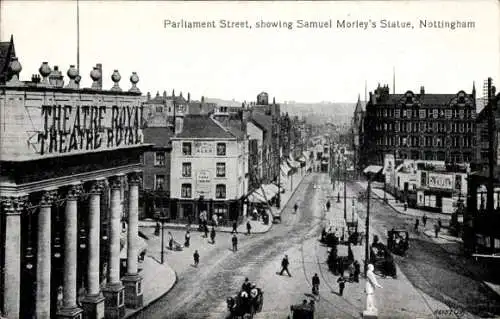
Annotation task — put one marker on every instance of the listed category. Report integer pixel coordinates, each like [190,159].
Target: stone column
[133,224]
[93,303]
[70,309]
[114,290]
[133,281]
[44,255]
[13,207]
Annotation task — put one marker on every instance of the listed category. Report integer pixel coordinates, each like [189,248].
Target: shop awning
[373,169]
[256,196]
[285,169]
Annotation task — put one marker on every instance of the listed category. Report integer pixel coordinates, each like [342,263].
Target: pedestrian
[215,220]
[351,270]
[328,205]
[439,223]
[187,238]
[284,266]
[196,258]
[416,224]
[295,207]
[235,242]
[249,227]
[357,270]
[212,235]
[424,219]
[315,284]
[341,281]
[170,241]
[205,228]
[436,230]
[157,229]
[235,227]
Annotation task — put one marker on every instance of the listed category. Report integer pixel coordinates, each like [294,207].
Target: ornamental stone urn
[116,77]
[95,75]
[45,71]
[134,78]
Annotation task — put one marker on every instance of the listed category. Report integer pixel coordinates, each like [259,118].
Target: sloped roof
[159,136]
[203,126]
[262,120]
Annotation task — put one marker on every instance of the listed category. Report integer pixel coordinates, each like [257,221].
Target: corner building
[70,168]
[432,127]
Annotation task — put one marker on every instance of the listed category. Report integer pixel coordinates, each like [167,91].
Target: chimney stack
[422,90]
[164,94]
[99,82]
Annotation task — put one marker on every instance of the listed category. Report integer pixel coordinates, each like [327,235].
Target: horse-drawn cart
[244,304]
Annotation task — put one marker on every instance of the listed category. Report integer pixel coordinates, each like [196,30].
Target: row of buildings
[80,166]
[212,157]
[434,151]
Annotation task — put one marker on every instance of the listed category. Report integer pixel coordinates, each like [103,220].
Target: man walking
[328,206]
[196,258]
[212,235]
[424,219]
[235,242]
[341,282]
[284,266]
[249,227]
[235,227]
[315,283]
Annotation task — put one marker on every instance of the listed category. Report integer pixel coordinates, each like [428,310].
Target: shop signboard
[204,148]
[442,181]
[203,183]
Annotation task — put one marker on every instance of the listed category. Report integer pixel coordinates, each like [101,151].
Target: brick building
[418,126]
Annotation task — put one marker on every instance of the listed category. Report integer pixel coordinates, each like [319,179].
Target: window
[159,109]
[220,191]
[186,169]
[186,148]
[186,190]
[396,113]
[221,170]
[160,159]
[159,182]
[221,149]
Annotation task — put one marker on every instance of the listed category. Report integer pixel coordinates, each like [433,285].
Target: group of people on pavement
[437,226]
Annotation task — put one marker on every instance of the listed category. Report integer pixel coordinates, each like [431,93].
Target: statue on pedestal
[371,285]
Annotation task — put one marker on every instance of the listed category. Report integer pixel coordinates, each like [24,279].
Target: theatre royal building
[70,174]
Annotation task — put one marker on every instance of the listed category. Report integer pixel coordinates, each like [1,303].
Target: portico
[62,199]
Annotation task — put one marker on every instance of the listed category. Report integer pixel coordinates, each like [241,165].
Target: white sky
[302,65]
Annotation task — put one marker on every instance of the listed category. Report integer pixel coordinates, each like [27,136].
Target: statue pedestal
[133,290]
[370,314]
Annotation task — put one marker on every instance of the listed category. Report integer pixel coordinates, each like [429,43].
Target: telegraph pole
[491,158]
[345,189]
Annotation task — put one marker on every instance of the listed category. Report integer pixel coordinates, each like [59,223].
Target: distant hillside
[320,113]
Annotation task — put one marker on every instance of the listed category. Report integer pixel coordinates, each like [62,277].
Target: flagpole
[78,36]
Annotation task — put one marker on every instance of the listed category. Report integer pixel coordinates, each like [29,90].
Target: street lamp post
[162,219]
[367,225]
[345,189]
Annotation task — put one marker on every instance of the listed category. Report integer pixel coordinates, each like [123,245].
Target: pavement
[177,261]
[451,244]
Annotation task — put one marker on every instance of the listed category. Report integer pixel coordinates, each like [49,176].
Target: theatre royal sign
[54,122]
